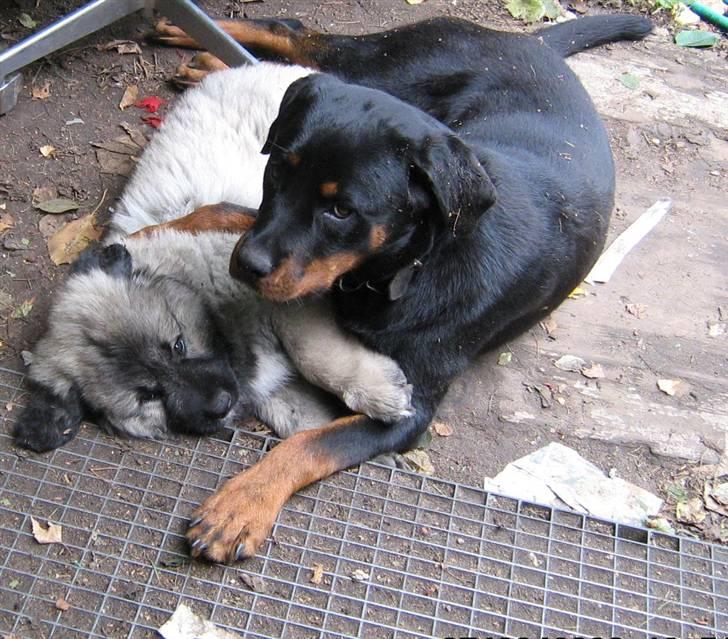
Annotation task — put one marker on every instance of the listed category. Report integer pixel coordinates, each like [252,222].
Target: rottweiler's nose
[219,405]
[250,263]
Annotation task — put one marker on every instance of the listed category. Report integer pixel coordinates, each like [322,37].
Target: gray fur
[111,333]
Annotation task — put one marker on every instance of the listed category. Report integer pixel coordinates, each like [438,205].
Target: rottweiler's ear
[462,189]
[291,106]
[49,420]
[113,259]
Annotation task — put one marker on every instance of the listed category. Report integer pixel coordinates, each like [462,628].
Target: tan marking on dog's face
[292,280]
[329,189]
[293,159]
[377,237]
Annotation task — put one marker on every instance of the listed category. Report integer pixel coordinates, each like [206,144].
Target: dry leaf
[57,205]
[317,574]
[637,310]
[595,371]
[136,135]
[7,221]
[360,575]
[114,163]
[48,225]
[47,150]
[42,92]
[62,604]
[691,511]
[25,308]
[420,461]
[577,293]
[123,47]
[504,358]
[65,245]
[415,1]
[549,325]
[131,93]
[50,535]
[43,193]
[570,363]
[668,386]
[254,582]
[442,429]
[116,156]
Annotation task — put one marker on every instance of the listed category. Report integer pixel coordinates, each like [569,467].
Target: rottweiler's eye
[179,347]
[340,212]
[147,394]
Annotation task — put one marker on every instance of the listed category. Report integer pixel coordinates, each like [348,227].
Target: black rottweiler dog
[449,184]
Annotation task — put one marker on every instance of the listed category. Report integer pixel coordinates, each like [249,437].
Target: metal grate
[443,559]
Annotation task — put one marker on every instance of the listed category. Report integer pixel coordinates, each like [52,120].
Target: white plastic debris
[558,476]
[186,624]
[627,240]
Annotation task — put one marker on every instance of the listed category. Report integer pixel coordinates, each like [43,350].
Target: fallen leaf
[544,395]
[25,308]
[131,93]
[153,121]
[577,293]
[317,574]
[114,163]
[12,243]
[57,205]
[442,429]
[504,358]
[715,329]
[360,575]
[690,511]
[124,47]
[27,21]
[42,193]
[151,103]
[415,1]
[594,371]
[74,121]
[635,309]
[51,535]
[65,245]
[41,92]
[173,562]
[668,386]
[420,461]
[185,623]
[629,80]
[570,363]
[696,39]
[526,10]
[117,156]
[62,604]
[716,499]
[13,583]
[48,225]
[254,582]
[720,493]
[47,150]
[549,325]
[136,135]
[661,524]
[7,221]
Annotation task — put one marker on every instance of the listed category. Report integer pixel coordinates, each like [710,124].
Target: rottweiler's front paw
[234,522]
[380,391]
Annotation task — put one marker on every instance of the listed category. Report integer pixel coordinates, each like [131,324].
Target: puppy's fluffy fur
[151,334]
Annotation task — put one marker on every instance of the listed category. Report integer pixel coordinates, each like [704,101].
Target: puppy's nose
[250,263]
[220,405]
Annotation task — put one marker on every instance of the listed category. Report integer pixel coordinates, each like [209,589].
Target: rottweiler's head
[357,180]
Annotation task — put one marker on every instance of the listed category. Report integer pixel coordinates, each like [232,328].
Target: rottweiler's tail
[573,36]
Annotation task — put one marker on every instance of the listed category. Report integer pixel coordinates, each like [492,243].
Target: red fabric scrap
[151,103]
[152,120]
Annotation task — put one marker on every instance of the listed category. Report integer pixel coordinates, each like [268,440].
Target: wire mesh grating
[434,558]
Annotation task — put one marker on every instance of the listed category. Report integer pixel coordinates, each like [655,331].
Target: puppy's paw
[234,522]
[49,420]
[380,390]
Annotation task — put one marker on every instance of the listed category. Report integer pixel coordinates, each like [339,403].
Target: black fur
[483,157]
[49,420]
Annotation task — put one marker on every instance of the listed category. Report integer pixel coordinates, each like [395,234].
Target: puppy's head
[356,180]
[136,351]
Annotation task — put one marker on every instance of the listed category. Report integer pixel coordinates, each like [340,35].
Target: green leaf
[13,583]
[22,311]
[526,10]
[696,39]
[57,205]
[629,80]
[505,358]
[27,21]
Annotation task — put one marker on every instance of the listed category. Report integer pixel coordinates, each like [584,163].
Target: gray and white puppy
[150,335]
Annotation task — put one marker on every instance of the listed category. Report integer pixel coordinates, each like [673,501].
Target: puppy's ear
[291,106]
[49,420]
[113,259]
[461,187]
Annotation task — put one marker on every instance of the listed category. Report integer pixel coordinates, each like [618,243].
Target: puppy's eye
[147,394]
[340,212]
[180,347]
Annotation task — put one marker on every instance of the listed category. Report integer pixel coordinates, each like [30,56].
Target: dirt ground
[663,315]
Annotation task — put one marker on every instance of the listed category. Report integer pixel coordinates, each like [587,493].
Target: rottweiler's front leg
[222,217]
[232,523]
